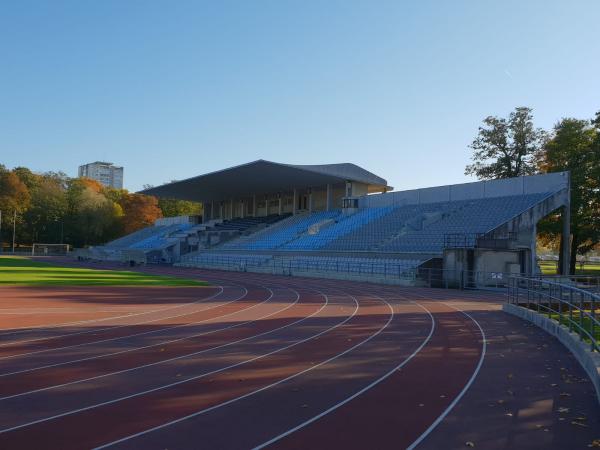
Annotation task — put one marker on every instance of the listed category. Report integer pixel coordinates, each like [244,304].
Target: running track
[264,361]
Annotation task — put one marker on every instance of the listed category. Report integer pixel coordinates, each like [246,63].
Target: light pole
[14,230]
[1,241]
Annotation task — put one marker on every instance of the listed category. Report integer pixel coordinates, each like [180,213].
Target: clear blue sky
[172,89]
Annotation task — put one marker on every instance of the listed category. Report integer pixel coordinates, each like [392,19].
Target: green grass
[587,321]
[24,271]
[549,268]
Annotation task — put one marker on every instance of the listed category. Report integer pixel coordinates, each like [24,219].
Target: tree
[575,146]
[29,178]
[172,207]
[114,194]
[14,198]
[94,185]
[506,148]
[44,220]
[139,211]
[14,195]
[91,217]
[95,215]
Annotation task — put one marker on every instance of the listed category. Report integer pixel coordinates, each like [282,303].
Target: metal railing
[485,240]
[353,269]
[571,306]
[586,282]
[384,269]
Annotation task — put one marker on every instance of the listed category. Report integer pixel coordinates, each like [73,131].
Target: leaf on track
[579,424]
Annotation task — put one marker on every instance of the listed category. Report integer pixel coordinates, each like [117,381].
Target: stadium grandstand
[342,221]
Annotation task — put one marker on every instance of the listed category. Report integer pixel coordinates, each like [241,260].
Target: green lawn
[587,322]
[549,268]
[24,271]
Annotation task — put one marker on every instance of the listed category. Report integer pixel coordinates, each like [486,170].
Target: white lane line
[53,349]
[58,311]
[166,386]
[465,388]
[103,355]
[233,400]
[163,361]
[20,330]
[361,391]
[114,327]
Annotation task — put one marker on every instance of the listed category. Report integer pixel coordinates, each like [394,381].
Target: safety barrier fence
[352,268]
[586,282]
[570,306]
[291,266]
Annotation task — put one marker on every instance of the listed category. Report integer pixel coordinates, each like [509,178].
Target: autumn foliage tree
[14,195]
[14,198]
[139,211]
[174,207]
[44,220]
[53,208]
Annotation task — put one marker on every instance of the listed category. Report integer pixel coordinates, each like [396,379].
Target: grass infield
[23,271]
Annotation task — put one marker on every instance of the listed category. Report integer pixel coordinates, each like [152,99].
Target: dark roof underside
[263,177]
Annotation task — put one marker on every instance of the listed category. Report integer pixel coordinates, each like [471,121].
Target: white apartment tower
[104,172]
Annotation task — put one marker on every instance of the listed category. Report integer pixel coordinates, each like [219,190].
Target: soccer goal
[49,249]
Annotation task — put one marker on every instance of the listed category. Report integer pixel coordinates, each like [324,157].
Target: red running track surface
[266,361]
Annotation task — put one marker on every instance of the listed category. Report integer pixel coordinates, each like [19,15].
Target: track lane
[200,381]
[252,402]
[222,359]
[397,415]
[93,367]
[97,336]
[291,400]
[48,327]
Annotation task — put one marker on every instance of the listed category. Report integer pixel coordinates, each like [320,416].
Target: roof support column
[266,205]
[212,210]
[566,231]
[566,239]
[310,200]
[295,201]
[533,252]
[254,205]
[280,203]
[221,210]
[243,206]
[329,194]
[231,209]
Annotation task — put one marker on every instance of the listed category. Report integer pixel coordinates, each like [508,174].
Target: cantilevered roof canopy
[264,177]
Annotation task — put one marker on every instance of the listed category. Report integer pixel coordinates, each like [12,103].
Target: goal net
[49,249]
